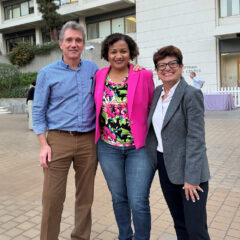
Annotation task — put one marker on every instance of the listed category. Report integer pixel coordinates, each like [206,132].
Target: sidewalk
[21,186]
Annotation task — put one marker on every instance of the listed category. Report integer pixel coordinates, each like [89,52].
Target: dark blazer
[183,136]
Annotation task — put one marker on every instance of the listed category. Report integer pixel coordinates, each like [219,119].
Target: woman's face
[119,55]
[168,70]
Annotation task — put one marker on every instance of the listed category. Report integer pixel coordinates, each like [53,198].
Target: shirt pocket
[57,90]
[91,85]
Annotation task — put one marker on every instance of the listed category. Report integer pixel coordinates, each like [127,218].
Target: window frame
[229,10]
[11,7]
[111,26]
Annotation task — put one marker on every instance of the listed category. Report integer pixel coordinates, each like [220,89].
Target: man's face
[72,45]
[191,75]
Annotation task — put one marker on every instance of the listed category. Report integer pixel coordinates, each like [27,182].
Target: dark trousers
[190,219]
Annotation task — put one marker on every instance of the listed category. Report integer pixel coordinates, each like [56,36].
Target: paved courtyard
[21,186]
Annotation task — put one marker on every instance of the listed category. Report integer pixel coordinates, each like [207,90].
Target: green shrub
[27,78]
[45,48]
[22,54]
[16,92]
[9,76]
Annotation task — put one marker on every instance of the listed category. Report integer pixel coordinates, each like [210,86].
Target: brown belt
[72,133]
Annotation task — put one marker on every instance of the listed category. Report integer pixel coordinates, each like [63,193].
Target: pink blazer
[139,98]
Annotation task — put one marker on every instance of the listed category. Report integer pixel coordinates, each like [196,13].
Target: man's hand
[191,191]
[45,155]
[45,151]
[137,68]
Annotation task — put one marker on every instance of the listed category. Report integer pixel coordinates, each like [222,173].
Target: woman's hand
[191,191]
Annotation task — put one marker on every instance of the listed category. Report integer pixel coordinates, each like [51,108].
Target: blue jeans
[129,176]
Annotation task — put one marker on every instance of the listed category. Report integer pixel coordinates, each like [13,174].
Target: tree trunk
[53,34]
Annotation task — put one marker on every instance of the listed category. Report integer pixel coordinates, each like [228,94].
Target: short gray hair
[74,26]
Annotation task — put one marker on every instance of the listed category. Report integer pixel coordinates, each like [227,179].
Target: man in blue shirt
[64,109]
[197,82]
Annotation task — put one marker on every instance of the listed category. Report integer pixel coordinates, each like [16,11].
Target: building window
[92,30]
[8,12]
[18,10]
[102,29]
[118,25]
[24,8]
[130,23]
[229,8]
[13,39]
[230,62]
[63,2]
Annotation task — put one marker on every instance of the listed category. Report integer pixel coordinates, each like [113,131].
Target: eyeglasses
[171,64]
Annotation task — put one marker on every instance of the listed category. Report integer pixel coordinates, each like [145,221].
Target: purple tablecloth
[218,102]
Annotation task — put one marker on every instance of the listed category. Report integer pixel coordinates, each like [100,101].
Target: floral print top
[114,115]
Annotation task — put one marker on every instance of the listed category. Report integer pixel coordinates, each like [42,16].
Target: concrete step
[4,110]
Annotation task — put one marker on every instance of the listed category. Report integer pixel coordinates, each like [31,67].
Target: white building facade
[20,20]
[206,31]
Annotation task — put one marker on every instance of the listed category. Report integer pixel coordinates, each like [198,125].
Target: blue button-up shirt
[64,98]
[197,82]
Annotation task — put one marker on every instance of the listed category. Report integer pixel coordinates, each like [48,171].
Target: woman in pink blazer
[123,98]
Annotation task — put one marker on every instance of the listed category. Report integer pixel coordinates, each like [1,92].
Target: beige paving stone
[9,225]
[21,219]
[220,226]
[66,233]
[105,235]
[13,232]
[22,238]
[94,235]
[69,220]
[222,219]
[31,213]
[21,187]
[4,237]
[36,219]
[2,230]
[26,225]
[98,227]
[233,233]
[216,233]
[31,233]
[5,218]
[167,236]
[113,228]
[231,238]
[65,226]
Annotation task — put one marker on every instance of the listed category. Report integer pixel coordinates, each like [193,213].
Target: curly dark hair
[168,51]
[111,39]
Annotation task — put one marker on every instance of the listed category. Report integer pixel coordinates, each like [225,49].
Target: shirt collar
[172,90]
[63,64]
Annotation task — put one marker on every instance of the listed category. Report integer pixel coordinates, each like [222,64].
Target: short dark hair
[111,39]
[168,51]
[193,73]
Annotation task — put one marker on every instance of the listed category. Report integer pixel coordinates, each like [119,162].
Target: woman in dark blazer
[176,147]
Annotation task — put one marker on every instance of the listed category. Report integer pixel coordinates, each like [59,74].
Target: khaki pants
[66,149]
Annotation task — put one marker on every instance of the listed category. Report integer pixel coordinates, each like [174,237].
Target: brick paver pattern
[21,187]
